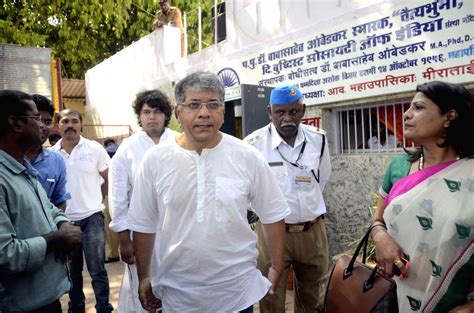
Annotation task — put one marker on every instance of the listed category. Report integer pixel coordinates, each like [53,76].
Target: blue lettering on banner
[354,59]
[469,51]
[395,51]
[430,9]
[310,82]
[314,94]
[374,40]
[285,52]
[330,79]
[432,59]
[368,71]
[349,75]
[372,26]
[326,39]
[468,18]
[398,65]
[416,29]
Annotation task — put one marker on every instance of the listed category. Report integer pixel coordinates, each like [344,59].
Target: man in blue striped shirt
[49,164]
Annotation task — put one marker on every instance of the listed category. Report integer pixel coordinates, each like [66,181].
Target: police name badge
[303,182]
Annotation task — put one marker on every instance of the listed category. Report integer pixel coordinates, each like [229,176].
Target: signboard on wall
[386,52]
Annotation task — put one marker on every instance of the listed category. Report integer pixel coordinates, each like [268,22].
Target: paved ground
[115,277]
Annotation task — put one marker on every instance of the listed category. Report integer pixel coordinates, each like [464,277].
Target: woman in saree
[425,216]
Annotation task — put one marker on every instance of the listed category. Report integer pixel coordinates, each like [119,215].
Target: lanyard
[299,156]
[295,164]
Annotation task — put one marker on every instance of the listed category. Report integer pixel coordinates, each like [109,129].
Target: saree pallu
[433,222]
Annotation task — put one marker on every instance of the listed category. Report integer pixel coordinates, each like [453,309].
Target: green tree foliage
[84,33]
[191,11]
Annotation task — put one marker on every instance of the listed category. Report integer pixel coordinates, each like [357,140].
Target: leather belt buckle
[302,227]
[295,228]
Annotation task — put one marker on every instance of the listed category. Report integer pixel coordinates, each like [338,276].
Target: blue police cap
[284,94]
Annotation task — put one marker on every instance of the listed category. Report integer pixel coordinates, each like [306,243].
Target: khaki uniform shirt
[173,17]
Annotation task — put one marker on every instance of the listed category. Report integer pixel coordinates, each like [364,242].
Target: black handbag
[355,287]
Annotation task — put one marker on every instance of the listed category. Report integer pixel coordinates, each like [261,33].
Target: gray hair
[199,81]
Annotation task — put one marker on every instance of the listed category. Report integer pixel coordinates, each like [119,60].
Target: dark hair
[54,137]
[154,99]
[199,81]
[69,112]
[12,102]
[447,97]
[108,141]
[43,104]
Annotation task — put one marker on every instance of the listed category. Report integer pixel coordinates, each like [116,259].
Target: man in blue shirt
[49,164]
[35,236]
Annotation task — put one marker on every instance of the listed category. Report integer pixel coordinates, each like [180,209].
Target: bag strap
[362,244]
[369,283]
[320,158]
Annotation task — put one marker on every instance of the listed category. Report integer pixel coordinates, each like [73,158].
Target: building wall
[27,69]
[258,29]
[349,196]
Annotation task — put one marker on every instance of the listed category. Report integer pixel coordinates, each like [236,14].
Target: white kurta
[305,198]
[374,143]
[122,172]
[207,250]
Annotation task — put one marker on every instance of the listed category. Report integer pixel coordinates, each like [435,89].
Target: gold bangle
[374,232]
[398,263]
[379,220]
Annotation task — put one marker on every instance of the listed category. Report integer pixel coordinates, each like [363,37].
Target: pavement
[115,279]
[114,270]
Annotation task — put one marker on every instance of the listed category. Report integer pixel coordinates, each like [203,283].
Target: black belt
[302,227]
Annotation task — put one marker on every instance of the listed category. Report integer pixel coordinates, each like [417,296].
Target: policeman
[299,158]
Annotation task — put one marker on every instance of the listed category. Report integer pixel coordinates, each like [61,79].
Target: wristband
[374,226]
[381,220]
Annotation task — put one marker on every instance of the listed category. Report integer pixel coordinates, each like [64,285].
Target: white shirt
[83,167]
[122,174]
[390,143]
[207,250]
[302,192]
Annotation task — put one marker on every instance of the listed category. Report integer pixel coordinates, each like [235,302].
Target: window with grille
[370,129]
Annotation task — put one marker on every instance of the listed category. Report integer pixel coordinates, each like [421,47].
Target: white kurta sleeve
[119,192]
[266,198]
[143,212]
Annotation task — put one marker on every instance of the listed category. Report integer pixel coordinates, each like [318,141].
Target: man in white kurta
[207,250]
[122,172]
[153,110]
[196,190]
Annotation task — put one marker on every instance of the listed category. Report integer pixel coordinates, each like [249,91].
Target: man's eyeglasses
[38,118]
[197,105]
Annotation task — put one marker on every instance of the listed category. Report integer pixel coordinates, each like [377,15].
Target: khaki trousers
[307,253]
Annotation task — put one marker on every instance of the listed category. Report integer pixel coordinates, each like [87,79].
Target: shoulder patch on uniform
[255,136]
[252,138]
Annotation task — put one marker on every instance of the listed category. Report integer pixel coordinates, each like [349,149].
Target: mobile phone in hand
[396,271]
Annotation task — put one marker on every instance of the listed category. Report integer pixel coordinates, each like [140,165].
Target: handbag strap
[362,244]
[369,283]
